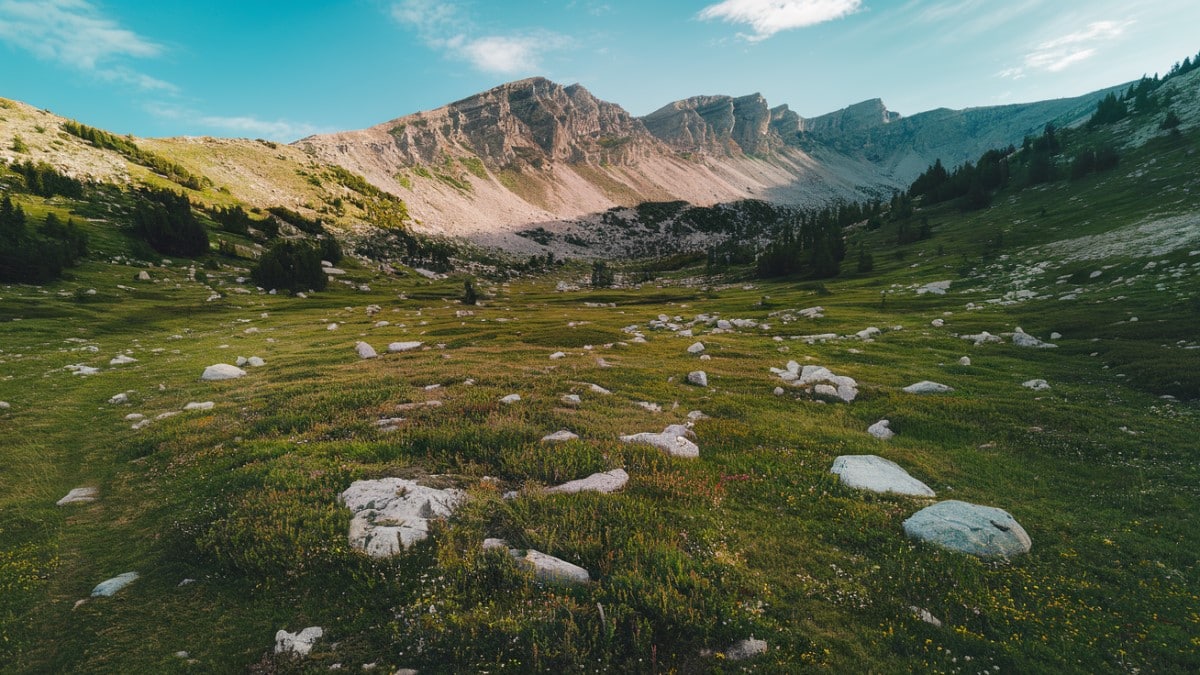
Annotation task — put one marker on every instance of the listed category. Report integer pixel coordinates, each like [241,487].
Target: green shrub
[291,265]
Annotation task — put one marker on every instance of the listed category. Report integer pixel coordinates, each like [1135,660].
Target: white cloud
[242,125]
[1065,51]
[443,26]
[768,17]
[75,34]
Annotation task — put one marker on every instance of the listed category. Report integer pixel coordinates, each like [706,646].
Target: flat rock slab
[927,387]
[545,568]
[221,371]
[983,531]
[1022,339]
[560,436]
[874,473]
[199,405]
[79,495]
[299,644]
[673,440]
[397,347]
[606,482]
[108,587]
[391,514]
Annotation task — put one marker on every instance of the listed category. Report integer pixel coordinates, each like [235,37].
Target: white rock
[698,378]
[597,389]
[571,399]
[560,436]
[297,644]
[143,276]
[255,362]
[826,390]
[108,587]
[365,351]
[606,482]
[5,405]
[551,570]
[936,288]
[673,440]
[79,495]
[241,361]
[1056,336]
[926,616]
[881,430]
[121,359]
[205,405]
[332,326]
[511,398]
[982,338]
[133,417]
[874,473]
[1023,339]
[696,348]
[867,333]
[650,407]
[397,347]
[983,531]
[938,323]
[927,387]
[746,649]
[80,369]
[119,399]
[964,361]
[778,391]
[1036,385]
[221,371]
[382,324]
[390,514]
[558,355]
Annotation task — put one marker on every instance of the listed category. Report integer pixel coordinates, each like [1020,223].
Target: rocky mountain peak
[862,116]
[715,124]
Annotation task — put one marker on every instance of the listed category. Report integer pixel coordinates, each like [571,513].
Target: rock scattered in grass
[511,398]
[881,430]
[982,338]
[560,436]
[605,482]
[221,371]
[698,378]
[696,348]
[332,326]
[80,369]
[119,399]
[928,387]
[983,531]
[597,389]
[79,495]
[874,473]
[557,355]
[108,587]
[297,644]
[255,362]
[404,407]
[397,347]
[672,440]
[746,649]
[934,288]
[938,323]
[121,359]
[820,381]
[926,616]
[571,399]
[545,568]
[650,407]
[964,361]
[1036,385]
[204,405]
[5,405]
[1022,339]
[391,514]
[365,351]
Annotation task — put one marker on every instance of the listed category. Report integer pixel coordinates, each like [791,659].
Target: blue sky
[284,69]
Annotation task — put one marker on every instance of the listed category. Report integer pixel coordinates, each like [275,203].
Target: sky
[284,69]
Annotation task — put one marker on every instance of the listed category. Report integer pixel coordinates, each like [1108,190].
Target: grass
[753,538]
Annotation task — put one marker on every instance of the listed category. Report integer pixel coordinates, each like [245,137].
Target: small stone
[696,348]
[597,389]
[606,482]
[255,362]
[698,378]
[298,644]
[511,398]
[778,391]
[926,616]
[746,649]
[121,359]
[673,440]
[1036,385]
[557,355]
[874,473]
[881,431]
[205,405]
[110,586]
[5,405]
[571,399]
[241,361]
[397,347]
[927,387]
[332,326]
[119,399]
[79,495]
[964,361]
[1056,336]
[560,436]
[938,323]
[134,417]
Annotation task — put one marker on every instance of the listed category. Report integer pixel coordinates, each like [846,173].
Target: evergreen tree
[602,276]
[470,296]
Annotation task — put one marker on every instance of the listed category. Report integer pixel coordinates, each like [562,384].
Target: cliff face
[715,124]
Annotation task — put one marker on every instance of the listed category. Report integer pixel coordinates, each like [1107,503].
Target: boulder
[698,378]
[79,495]
[365,351]
[121,359]
[558,355]
[867,333]
[297,644]
[1036,385]
[255,362]
[5,405]
[143,276]
[511,398]
[934,288]
[205,405]
[927,387]
[672,440]
[938,323]
[559,436]
[119,399]
[396,347]
[696,348]
[571,399]
[221,371]
[1023,339]
[881,430]
[964,361]
[982,531]
[550,570]
[108,587]
[390,514]
[982,338]
[606,482]
[874,473]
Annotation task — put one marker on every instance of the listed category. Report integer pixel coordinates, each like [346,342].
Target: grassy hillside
[753,538]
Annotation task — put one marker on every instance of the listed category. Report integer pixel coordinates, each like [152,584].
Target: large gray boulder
[221,371]
[390,514]
[109,587]
[983,531]
[874,473]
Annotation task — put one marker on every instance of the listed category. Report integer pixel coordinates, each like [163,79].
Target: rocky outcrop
[717,124]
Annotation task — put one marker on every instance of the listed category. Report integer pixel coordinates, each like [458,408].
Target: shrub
[291,265]
[164,219]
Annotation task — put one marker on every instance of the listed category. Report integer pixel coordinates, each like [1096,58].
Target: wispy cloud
[1062,52]
[768,17]
[444,26]
[75,34]
[242,125]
